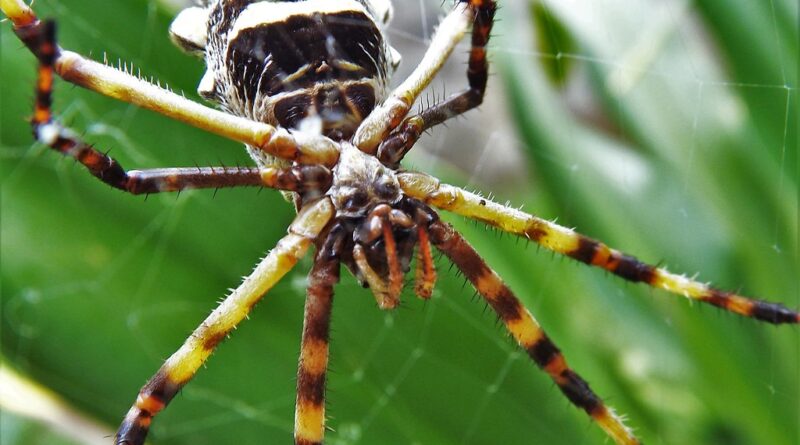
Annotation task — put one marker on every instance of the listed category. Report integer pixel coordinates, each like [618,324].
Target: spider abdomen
[281,62]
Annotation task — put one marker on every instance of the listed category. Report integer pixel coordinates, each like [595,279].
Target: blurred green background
[666,128]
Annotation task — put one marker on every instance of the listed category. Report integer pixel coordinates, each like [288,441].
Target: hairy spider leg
[385,117]
[184,363]
[392,150]
[108,170]
[111,82]
[584,249]
[298,178]
[309,423]
[527,331]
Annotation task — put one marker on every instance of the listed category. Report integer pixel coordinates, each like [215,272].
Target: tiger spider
[373,234]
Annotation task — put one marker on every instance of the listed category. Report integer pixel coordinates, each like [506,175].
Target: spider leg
[527,331]
[584,249]
[108,170]
[309,424]
[298,178]
[394,148]
[184,363]
[39,37]
[388,115]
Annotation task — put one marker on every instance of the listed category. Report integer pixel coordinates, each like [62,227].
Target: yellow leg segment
[568,242]
[184,363]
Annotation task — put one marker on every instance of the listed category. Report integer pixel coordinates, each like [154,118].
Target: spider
[321,127]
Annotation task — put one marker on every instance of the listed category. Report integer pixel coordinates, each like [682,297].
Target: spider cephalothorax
[303,86]
[376,227]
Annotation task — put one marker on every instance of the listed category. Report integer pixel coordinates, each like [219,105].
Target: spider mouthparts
[383,244]
[369,231]
[399,218]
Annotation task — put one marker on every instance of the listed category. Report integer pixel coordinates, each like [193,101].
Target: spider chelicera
[303,85]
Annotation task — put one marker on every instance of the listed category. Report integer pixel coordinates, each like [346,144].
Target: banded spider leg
[527,332]
[309,425]
[39,37]
[181,366]
[584,249]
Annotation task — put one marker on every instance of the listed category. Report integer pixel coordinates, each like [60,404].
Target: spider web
[659,127]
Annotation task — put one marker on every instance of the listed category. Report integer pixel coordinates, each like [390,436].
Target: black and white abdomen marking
[282,62]
[324,63]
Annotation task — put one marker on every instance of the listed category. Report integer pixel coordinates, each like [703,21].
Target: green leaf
[672,137]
